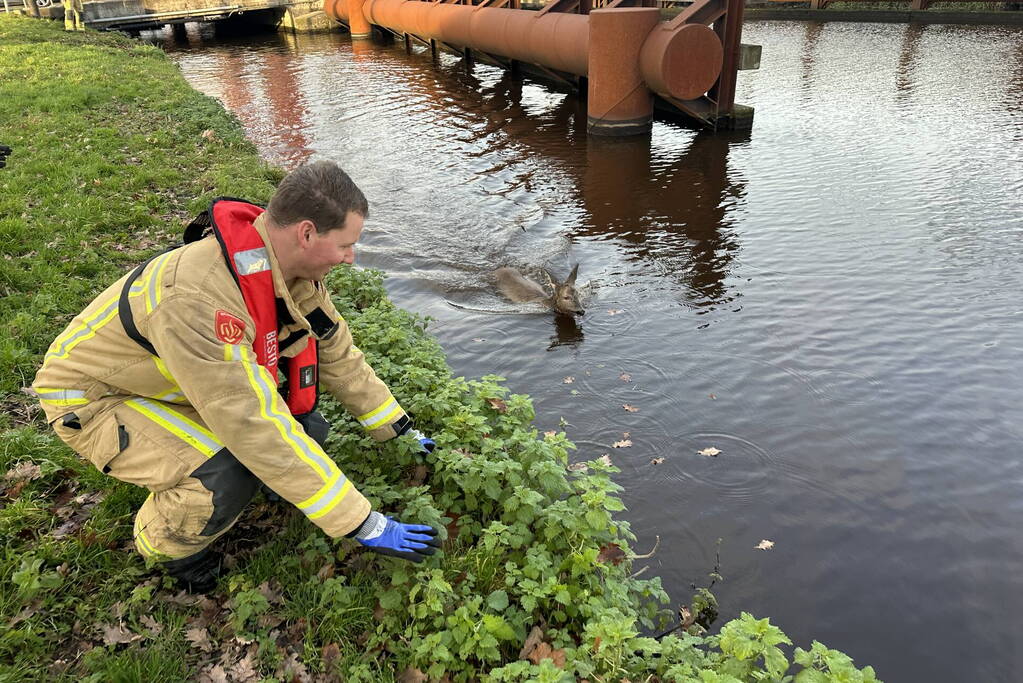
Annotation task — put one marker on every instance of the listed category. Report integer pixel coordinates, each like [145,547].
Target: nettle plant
[535,582]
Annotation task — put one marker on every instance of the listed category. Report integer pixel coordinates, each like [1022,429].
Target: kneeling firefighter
[168,379]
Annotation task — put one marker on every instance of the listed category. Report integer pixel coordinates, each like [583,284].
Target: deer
[520,289]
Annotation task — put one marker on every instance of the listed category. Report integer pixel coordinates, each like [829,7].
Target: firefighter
[169,378]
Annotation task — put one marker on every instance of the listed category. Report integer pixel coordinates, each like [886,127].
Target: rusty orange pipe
[626,53]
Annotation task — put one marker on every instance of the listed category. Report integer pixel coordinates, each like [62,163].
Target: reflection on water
[867,394]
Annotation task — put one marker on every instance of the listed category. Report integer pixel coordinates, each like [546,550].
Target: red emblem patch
[230,329]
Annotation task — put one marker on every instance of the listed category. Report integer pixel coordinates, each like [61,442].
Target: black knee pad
[315,425]
[232,486]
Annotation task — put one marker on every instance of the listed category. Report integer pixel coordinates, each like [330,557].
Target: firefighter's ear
[306,230]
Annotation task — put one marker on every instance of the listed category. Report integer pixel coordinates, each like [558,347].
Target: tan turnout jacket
[93,365]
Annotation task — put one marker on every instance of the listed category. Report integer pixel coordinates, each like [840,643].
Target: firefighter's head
[316,217]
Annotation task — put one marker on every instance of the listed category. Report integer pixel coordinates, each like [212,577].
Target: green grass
[111,158]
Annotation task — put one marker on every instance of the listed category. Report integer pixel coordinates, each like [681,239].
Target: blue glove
[426,444]
[413,542]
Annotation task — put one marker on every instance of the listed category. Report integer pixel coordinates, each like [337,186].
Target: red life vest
[231,220]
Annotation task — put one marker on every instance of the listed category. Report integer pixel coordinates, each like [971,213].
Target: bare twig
[640,572]
[657,543]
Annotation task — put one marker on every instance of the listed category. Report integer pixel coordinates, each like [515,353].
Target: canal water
[833,301]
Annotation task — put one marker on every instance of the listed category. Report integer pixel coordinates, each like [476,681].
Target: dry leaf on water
[550,433]
[478,339]
[568,380]
[630,408]
[498,405]
[614,311]
[764,545]
[656,461]
[579,467]
[624,443]
[625,377]
[611,554]
[709,452]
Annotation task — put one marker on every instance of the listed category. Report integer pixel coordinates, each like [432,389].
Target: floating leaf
[764,545]
[713,397]
[615,311]
[630,408]
[625,377]
[580,466]
[568,380]
[656,461]
[478,339]
[611,553]
[498,404]
[709,452]
[624,443]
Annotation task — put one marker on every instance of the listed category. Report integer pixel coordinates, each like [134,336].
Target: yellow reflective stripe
[388,410]
[311,501]
[304,447]
[189,431]
[172,394]
[62,345]
[333,503]
[61,397]
[155,282]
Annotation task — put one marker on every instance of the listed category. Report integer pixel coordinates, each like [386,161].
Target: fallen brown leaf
[568,380]
[534,637]
[764,545]
[326,572]
[498,404]
[630,408]
[578,467]
[214,674]
[244,670]
[611,554]
[625,377]
[24,471]
[709,452]
[686,617]
[614,311]
[478,339]
[624,443]
[331,652]
[155,627]
[411,675]
[199,638]
[656,461]
[114,635]
[541,651]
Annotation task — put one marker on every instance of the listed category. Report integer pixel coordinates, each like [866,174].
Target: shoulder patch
[229,328]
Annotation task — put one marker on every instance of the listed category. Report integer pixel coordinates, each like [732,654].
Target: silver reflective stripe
[178,423]
[380,415]
[288,424]
[326,498]
[252,261]
[60,394]
[87,331]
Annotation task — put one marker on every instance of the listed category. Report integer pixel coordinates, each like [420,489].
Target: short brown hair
[320,192]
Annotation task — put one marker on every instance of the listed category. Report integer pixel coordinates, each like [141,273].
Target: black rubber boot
[196,573]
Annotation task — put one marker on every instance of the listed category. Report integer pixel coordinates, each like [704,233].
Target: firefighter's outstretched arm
[209,352]
[345,373]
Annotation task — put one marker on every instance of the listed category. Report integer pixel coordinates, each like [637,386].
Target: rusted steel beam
[729,29]
[622,55]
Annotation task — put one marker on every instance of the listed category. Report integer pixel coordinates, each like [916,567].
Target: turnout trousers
[197,487]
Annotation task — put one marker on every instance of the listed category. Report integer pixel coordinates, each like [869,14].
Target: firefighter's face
[321,252]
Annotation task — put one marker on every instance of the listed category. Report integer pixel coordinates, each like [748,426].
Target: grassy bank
[113,152]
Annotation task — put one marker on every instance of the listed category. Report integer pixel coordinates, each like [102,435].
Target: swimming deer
[520,289]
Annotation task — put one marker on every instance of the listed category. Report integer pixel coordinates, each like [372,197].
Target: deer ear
[550,278]
[571,277]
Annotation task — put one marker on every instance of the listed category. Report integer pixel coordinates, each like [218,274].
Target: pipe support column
[618,101]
